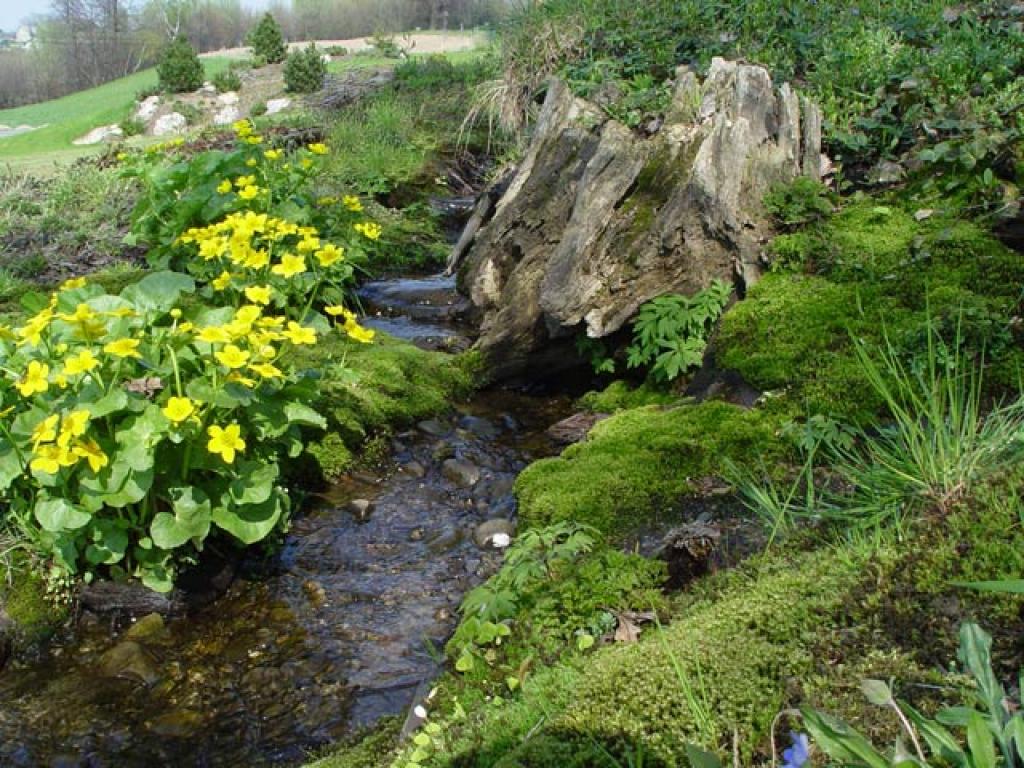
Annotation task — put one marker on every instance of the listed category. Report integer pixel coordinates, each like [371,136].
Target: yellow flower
[258,294]
[290,265]
[123,348]
[266,370]
[352,203]
[45,431]
[299,334]
[318,149]
[225,441]
[70,285]
[82,314]
[50,458]
[272,154]
[236,377]
[83,362]
[324,201]
[73,425]
[242,127]
[178,409]
[339,311]
[357,332]
[329,254]
[245,181]
[251,162]
[222,281]
[254,139]
[308,244]
[214,334]
[224,187]
[248,314]
[92,453]
[232,357]
[34,379]
[250,192]
[306,163]
[369,229]
[175,313]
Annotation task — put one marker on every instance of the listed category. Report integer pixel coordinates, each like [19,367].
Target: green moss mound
[25,601]
[621,396]
[634,465]
[884,275]
[731,652]
[368,389]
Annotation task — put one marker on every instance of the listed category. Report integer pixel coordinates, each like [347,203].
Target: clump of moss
[634,465]
[884,275]
[794,332]
[27,603]
[621,396]
[370,749]
[367,389]
[734,651]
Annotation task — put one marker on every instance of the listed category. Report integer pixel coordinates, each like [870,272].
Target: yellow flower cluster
[247,240]
[369,229]
[348,321]
[60,440]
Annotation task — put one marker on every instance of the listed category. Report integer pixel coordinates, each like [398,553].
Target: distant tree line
[84,43]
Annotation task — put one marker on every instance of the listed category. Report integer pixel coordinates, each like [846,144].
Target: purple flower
[798,754]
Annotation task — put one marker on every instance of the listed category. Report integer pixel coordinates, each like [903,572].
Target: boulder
[171,123]
[100,134]
[226,115]
[147,108]
[227,99]
[276,105]
[598,219]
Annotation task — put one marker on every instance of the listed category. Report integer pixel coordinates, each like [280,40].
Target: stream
[336,630]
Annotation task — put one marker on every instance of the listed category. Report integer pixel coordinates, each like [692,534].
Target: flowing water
[337,629]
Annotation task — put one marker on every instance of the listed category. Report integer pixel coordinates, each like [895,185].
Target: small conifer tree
[266,40]
[304,71]
[179,69]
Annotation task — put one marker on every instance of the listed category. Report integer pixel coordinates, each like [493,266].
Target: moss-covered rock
[634,465]
[31,613]
[367,389]
[621,395]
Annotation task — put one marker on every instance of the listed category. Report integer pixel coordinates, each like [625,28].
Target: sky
[12,12]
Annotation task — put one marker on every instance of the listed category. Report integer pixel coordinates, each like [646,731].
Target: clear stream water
[337,629]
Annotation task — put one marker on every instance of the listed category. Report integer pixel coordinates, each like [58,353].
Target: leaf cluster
[670,332]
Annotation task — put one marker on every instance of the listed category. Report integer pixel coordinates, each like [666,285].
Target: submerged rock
[463,473]
[495,533]
[598,219]
[131,661]
[360,509]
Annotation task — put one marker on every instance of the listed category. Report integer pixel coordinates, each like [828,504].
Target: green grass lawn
[72,116]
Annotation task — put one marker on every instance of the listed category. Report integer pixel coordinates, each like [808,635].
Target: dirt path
[421,42]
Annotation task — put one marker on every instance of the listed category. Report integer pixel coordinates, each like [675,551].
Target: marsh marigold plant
[131,430]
